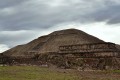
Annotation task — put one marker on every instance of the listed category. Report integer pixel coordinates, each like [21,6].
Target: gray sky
[24,20]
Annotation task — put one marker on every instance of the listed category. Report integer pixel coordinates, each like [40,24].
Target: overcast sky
[24,20]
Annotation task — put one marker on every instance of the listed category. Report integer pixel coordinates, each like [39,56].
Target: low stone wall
[93,63]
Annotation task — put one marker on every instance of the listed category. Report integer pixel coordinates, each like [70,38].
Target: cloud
[43,14]
[13,38]
[110,14]
[25,20]
[3,48]
[8,3]
[108,33]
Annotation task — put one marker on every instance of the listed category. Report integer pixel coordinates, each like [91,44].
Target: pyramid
[51,42]
[70,48]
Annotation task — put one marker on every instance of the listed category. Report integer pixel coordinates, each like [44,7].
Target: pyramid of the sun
[65,41]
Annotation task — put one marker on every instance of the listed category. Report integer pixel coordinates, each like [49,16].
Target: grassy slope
[38,73]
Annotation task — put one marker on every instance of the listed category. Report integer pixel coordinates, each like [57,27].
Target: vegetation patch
[41,73]
[33,73]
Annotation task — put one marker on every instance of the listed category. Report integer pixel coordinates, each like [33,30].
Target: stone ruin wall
[93,56]
[87,56]
[92,50]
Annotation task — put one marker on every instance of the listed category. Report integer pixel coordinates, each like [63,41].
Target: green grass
[40,73]
[33,73]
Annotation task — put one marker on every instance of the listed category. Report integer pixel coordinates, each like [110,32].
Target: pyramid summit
[64,48]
